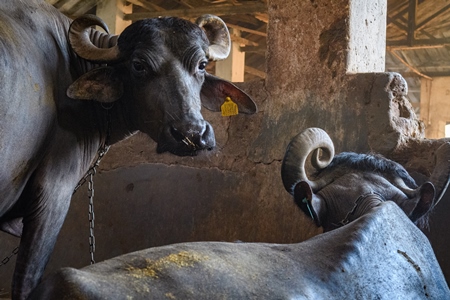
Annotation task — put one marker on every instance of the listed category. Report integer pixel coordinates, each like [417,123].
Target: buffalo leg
[40,231]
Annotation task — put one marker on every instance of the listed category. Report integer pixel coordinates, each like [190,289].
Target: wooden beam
[81,8]
[412,9]
[247,30]
[255,72]
[398,24]
[52,2]
[410,67]
[419,43]
[241,41]
[400,48]
[424,22]
[426,34]
[147,5]
[262,17]
[261,49]
[248,8]
[61,3]
[438,74]
[398,15]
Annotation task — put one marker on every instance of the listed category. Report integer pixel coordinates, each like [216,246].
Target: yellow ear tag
[229,108]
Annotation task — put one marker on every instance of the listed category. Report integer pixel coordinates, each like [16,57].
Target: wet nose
[192,136]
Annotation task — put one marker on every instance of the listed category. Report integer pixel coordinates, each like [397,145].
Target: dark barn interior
[313,63]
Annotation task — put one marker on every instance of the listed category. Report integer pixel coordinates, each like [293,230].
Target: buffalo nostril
[176,134]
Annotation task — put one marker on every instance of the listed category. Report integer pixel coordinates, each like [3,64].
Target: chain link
[91,217]
[89,177]
[8,258]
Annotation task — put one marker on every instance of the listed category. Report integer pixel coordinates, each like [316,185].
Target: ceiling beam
[81,8]
[412,9]
[147,5]
[424,43]
[255,72]
[242,41]
[263,17]
[247,8]
[412,68]
[398,24]
[247,30]
[438,74]
[424,22]
[261,49]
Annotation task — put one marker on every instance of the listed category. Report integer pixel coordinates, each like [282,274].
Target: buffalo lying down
[379,254]
[355,177]
[57,110]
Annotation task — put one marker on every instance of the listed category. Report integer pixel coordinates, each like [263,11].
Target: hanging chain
[91,217]
[8,258]
[90,175]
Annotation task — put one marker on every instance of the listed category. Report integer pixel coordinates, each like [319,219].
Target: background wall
[434,108]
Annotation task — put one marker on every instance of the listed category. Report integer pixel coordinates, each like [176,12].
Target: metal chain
[90,174]
[92,170]
[91,217]
[8,258]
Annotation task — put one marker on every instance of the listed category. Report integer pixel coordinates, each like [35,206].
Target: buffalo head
[157,69]
[347,185]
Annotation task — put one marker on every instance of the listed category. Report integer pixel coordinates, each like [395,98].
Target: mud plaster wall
[235,192]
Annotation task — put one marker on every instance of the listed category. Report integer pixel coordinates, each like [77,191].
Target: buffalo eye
[202,65]
[139,68]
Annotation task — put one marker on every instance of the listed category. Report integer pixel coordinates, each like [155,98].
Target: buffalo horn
[219,38]
[305,143]
[79,38]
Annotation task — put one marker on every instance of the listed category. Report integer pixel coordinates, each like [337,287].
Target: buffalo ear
[425,202]
[101,84]
[308,202]
[215,90]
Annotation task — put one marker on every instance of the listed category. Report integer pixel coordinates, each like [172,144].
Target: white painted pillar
[232,68]
[112,11]
[367,36]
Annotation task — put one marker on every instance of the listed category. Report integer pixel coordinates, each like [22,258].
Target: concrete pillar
[313,46]
[434,108]
[232,68]
[367,38]
[112,12]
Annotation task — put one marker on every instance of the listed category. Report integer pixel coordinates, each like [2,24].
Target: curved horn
[79,38]
[219,38]
[441,173]
[293,167]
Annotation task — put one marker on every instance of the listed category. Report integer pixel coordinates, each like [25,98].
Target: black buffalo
[57,110]
[354,177]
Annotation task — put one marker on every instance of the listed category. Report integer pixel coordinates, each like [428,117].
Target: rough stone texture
[235,192]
